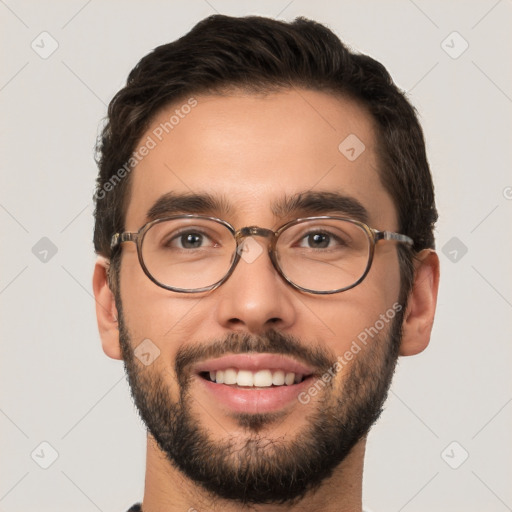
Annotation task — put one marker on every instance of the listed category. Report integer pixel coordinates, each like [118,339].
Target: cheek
[136,289]
[148,310]
[370,305]
[348,318]
[385,273]
[169,320]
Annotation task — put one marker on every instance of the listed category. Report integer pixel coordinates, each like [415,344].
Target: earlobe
[421,306]
[106,311]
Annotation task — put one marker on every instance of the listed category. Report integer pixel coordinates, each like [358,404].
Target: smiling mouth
[263,378]
[253,383]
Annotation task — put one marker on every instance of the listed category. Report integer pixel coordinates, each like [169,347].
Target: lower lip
[254,400]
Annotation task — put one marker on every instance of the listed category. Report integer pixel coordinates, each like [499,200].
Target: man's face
[252,153]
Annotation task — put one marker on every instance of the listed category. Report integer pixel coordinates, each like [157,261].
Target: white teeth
[259,379]
[230,376]
[289,379]
[244,378]
[263,379]
[278,378]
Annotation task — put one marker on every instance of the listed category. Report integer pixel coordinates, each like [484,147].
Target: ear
[106,311]
[421,306]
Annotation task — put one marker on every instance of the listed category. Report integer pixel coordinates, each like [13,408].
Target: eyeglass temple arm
[389,235]
[119,238]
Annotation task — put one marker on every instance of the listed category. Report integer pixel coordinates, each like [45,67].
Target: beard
[256,468]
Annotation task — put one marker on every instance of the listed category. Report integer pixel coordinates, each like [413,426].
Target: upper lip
[254,362]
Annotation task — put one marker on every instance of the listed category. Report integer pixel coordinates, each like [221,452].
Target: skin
[254,149]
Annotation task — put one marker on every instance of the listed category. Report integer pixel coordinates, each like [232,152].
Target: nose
[255,297]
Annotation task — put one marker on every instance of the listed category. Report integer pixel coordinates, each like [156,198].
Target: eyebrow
[173,203]
[299,205]
[320,203]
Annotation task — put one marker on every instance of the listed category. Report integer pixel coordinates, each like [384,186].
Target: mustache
[272,341]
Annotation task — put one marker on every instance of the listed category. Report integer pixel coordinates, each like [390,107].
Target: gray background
[58,387]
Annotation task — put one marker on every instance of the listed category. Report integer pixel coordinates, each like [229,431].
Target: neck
[168,490]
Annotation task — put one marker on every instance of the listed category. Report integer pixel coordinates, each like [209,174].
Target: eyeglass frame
[374,236]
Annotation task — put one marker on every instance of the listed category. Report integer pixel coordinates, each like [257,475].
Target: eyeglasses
[194,253]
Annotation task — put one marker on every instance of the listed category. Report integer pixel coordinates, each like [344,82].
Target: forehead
[252,152]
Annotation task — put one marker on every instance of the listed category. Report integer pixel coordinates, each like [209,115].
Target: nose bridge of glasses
[253,231]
